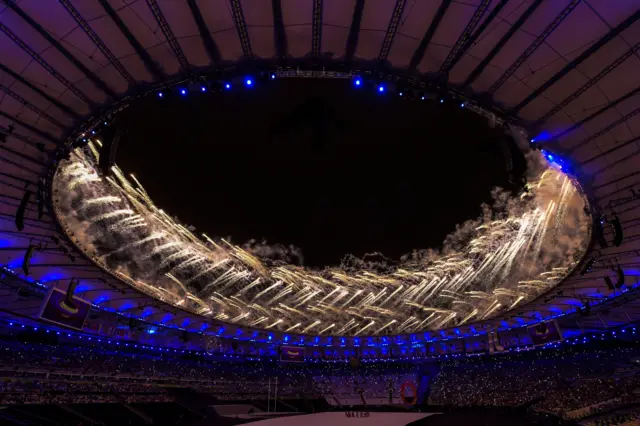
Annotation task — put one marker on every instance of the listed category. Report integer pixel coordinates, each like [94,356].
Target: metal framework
[168,34]
[503,41]
[354,31]
[422,48]
[464,41]
[279,33]
[41,133]
[82,23]
[534,46]
[577,61]
[392,29]
[40,92]
[60,48]
[610,150]
[32,107]
[566,101]
[604,130]
[597,113]
[149,63]
[241,27]
[24,46]
[209,43]
[316,29]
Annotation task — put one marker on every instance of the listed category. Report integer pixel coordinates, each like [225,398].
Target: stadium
[277,211]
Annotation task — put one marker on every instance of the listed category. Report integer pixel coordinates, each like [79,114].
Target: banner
[58,310]
[291,354]
[545,332]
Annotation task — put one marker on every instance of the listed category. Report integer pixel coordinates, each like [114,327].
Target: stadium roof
[565,69]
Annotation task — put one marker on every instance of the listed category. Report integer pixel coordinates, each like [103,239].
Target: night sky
[318,164]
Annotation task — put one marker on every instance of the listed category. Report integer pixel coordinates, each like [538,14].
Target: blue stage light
[273,76]
[400,93]
[441,100]
[381,88]
[357,82]
[422,98]
[203,89]
[227,86]
[183,92]
[462,105]
[160,94]
[248,82]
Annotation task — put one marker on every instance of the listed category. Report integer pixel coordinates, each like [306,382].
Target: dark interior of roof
[320,165]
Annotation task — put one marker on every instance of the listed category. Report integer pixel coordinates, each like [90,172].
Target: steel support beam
[422,48]
[534,46]
[279,33]
[577,61]
[41,133]
[25,139]
[40,92]
[149,63]
[566,101]
[32,107]
[392,29]
[241,27]
[606,129]
[60,48]
[609,151]
[209,43]
[168,34]
[316,29]
[354,31]
[465,39]
[82,23]
[596,113]
[21,155]
[44,64]
[503,41]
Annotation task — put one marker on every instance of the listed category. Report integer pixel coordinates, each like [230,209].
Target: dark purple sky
[391,175]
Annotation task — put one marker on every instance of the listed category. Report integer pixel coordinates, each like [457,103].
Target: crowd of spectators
[574,382]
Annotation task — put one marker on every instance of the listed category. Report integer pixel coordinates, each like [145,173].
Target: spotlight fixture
[273,76]
[183,92]
[160,94]
[609,283]
[203,89]
[462,105]
[620,277]
[26,262]
[22,209]
[357,82]
[67,304]
[248,82]
[617,231]
[441,101]
[227,86]
[381,89]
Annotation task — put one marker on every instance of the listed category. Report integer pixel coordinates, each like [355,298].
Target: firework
[519,249]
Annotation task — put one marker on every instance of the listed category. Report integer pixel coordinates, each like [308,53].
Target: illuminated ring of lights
[411,386]
[368,295]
